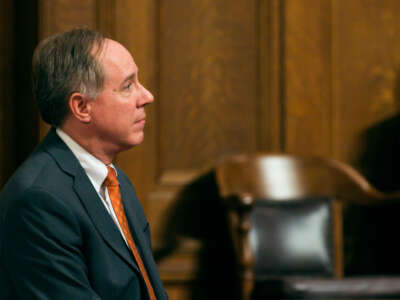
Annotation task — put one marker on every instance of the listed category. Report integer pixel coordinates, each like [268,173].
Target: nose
[147,97]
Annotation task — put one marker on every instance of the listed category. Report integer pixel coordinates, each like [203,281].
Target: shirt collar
[95,169]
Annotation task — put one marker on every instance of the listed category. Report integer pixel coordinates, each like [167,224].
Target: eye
[128,86]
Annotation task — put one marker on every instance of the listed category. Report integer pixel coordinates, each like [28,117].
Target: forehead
[116,60]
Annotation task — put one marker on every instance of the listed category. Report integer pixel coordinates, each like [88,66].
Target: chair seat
[328,288]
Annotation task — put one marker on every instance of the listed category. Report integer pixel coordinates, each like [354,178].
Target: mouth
[141,122]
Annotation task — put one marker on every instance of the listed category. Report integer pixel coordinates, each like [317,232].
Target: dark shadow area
[6,90]
[199,214]
[371,246]
[20,117]
[26,115]
[19,124]
[376,247]
[380,159]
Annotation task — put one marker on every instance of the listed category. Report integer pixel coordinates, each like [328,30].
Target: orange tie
[111,182]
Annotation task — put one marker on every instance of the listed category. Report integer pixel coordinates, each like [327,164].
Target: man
[71,225]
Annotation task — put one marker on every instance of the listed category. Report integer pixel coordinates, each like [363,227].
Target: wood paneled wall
[365,72]
[340,67]
[298,76]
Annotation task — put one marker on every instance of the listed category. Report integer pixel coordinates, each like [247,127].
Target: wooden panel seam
[270,71]
[333,114]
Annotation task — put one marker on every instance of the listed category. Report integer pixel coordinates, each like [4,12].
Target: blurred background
[315,77]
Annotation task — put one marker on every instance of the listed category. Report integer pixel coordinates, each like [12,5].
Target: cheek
[123,117]
[115,111]
[123,103]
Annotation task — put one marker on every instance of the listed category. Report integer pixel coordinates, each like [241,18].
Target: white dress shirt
[96,170]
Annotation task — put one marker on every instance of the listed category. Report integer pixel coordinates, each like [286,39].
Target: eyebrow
[130,77]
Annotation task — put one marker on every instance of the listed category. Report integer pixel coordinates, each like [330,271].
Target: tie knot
[111,179]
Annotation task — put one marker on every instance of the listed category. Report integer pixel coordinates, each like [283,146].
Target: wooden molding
[271,76]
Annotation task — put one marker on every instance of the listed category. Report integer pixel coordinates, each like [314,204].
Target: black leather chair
[309,228]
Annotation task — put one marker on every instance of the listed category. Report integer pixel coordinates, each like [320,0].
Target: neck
[90,142]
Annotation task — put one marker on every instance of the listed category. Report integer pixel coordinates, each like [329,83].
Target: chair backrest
[292,237]
[285,177]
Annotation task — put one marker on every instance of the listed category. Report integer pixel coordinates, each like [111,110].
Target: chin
[135,140]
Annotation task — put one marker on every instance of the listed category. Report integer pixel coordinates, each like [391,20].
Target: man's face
[118,115]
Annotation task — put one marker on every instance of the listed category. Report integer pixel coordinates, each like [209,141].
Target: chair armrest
[240,208]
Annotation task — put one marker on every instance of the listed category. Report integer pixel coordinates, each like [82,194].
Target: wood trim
[338,255]
[179,178]
[271,81]
[334,83]
[330,106]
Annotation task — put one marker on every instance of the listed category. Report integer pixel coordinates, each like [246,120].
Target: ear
[80,107]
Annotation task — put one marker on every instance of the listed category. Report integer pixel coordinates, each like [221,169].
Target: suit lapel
[88,196]
[101,218]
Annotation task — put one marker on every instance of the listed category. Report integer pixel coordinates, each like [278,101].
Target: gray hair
[62,65]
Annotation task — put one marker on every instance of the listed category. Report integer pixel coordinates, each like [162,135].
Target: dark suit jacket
[57,239]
